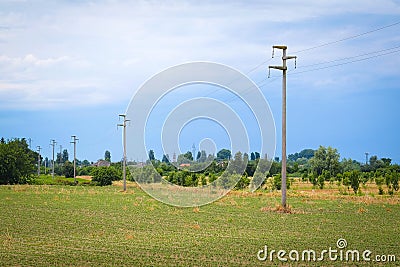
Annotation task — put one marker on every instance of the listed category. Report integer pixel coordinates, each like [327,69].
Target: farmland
[44,225]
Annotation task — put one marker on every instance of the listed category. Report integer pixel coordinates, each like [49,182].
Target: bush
[313,178]
[146,174]
[355,180]
[68,169]
[277,182]
[105,175]
[321,181]
[243,182]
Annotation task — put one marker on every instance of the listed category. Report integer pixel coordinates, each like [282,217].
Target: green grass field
[42,225]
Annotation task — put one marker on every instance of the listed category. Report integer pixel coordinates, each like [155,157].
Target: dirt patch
[85,177]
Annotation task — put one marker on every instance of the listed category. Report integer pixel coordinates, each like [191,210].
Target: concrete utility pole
[283,68]
[74,139]
[38,149]
[124,141]
[53,144]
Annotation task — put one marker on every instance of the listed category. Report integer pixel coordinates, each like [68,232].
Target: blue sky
[70,67]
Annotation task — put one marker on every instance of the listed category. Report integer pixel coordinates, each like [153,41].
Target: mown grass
[44,225]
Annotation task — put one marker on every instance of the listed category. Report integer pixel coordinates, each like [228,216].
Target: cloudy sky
[70,67]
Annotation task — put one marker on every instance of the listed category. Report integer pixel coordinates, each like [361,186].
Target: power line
[329,43]
[347,58]
[349,37]
[266,81]
[344,63]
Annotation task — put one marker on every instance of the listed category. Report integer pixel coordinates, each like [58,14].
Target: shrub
[68,169]
[277,182]
[243,182]
[355,180]
[105,175]
[313,178]
[321,181]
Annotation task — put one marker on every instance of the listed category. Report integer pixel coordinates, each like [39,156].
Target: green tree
[188,155]
[203,156]
[85,163]
[165,158]
[386,161]
[65,156]
[17,161]
[349,165]
[224,154]
[151,155]
[325,159]
[237,165]
[252,156]
[185,158]
[107,156]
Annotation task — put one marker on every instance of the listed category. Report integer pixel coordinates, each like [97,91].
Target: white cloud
[90,47]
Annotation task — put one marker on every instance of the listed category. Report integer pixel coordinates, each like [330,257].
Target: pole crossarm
[277,67]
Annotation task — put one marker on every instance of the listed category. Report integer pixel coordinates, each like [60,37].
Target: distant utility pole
[38,149]
[366,158]
[283,68]
[53,144]
[194,152]
[74,139]
[30,142]
[124,141]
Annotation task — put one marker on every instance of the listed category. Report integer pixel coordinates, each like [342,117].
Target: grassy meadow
[61,225]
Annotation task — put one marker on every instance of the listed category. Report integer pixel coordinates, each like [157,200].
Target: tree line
[18,164]
[319,167]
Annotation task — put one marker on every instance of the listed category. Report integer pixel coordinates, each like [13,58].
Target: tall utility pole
[38,149]
[53,144]
[366,158]
[74,139]
[283,68]
[124,141]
